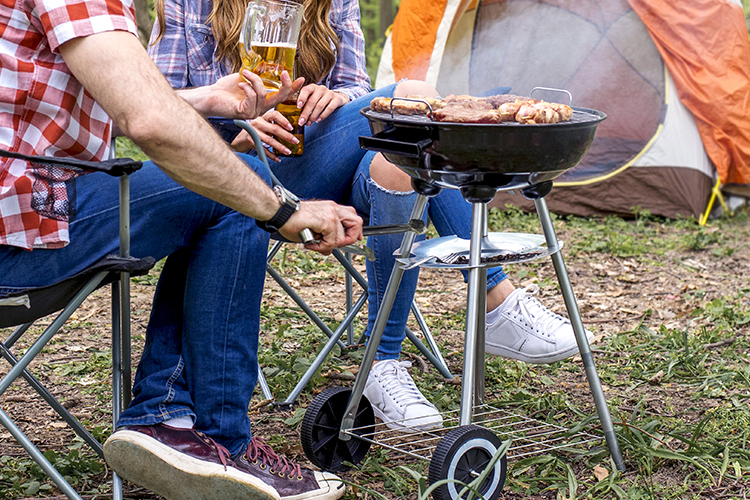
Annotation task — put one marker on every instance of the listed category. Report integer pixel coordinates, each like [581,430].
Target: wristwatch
[289,204]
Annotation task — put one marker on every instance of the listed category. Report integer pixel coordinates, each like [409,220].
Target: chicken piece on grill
[536,113]
[510,109]
[565,111]
[464,114]
[402,106]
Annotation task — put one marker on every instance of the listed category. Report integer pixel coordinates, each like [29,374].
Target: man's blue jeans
[200,356]
[334,167]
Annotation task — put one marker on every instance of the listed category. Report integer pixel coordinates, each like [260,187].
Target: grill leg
[380,320]
[583,344]
[472,390]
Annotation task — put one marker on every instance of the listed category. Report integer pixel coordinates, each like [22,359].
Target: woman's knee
[415,87]
[388,175]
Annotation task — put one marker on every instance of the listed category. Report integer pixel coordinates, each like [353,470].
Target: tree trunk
[386,15]
[143,21]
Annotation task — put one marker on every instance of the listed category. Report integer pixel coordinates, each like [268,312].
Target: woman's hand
[270,127]
[317,102]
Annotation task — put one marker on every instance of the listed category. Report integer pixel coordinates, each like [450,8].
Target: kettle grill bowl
[503,155]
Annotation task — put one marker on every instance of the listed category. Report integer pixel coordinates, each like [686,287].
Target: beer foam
[275,45]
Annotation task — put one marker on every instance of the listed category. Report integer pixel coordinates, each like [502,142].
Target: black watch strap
[279,219]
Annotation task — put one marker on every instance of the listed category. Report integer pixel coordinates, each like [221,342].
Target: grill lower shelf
[498,248]
[528,436]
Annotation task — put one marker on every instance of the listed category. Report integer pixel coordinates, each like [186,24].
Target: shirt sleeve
[65,20]
[170,52]
[349,74]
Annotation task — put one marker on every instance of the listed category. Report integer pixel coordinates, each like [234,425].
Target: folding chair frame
[121,371]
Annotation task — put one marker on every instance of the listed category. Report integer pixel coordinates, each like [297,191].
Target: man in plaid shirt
[66,67]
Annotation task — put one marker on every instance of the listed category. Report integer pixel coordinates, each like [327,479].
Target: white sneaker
[397,401]
[528,331]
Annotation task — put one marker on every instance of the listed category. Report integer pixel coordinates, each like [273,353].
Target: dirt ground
[612,294]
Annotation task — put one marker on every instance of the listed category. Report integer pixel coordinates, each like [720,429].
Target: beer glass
[268,41]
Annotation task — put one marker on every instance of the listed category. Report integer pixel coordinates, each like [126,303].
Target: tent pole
[715,193]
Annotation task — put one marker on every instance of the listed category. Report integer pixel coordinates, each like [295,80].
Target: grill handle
[383,142]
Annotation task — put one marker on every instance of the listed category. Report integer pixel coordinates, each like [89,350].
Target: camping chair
[23,309]
[429,351]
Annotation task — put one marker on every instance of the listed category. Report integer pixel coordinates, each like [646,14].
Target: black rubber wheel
[460,457]
[321,425]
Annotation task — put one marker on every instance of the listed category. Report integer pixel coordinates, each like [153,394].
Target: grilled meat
[470,109]
[406,107]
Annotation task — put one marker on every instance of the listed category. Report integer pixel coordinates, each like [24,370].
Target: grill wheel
[462,456]
[320,430]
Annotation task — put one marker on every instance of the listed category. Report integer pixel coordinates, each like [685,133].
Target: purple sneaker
[181,464]
[289,479]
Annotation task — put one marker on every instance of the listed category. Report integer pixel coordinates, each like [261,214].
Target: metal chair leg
[264,389]
[38,457]
[431,351]
[18,369]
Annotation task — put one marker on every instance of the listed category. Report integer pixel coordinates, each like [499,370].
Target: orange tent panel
[414,35]
[705,45]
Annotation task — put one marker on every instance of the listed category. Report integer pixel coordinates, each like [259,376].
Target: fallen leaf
[656,379]
[600,472]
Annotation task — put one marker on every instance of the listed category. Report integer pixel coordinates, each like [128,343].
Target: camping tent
[673,78]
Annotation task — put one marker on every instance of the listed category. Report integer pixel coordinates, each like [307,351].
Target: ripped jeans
[334,167]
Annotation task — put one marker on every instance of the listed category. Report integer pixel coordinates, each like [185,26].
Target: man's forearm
[115,69]
[197,98]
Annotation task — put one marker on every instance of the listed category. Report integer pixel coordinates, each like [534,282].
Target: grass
[678,394]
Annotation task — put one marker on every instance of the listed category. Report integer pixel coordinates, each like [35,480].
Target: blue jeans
[334,167]
[200,355]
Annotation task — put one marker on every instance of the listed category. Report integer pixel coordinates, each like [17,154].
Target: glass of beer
[268,41]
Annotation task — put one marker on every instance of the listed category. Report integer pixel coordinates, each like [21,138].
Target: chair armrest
[115,167]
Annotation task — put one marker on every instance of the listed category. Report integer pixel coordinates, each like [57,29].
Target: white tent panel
[679,143]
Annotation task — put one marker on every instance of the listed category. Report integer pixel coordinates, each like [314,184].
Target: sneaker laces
[538,317]
[259,451]
[220,450]
[398,384]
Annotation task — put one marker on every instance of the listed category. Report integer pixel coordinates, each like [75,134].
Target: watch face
[286,196]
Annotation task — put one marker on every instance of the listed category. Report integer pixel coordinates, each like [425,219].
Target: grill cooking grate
[579,116]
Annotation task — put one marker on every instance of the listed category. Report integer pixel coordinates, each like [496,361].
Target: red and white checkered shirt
[43,108]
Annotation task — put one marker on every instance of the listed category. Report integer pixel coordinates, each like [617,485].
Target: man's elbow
[144,129]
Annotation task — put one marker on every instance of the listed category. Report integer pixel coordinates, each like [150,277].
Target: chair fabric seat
[39,302]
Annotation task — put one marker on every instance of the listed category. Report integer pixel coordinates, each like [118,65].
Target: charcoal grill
[479,160]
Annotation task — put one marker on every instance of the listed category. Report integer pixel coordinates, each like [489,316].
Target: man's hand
[333,225]
[231,97]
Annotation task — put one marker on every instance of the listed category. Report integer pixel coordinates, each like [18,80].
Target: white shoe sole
[336,488]
[536,359]
[403,425]
[146,462]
